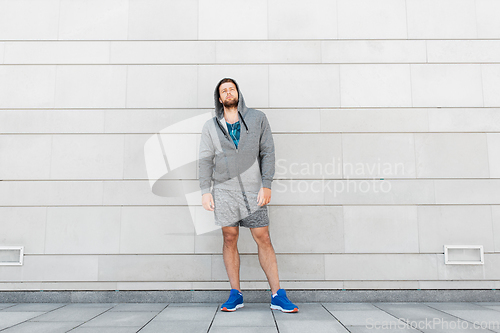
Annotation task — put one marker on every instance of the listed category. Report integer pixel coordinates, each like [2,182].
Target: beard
[231,103]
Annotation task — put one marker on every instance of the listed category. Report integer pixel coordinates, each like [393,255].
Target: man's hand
[264,196]
[208,201]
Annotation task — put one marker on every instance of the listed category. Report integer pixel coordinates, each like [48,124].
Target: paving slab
[187,313]
[193,304]
[128,329]
[365,329]
[139,307]
[177,326]
[42,327]
[349,306]
[316,326]
[248,329]
[453,305]
[7,305]
[311,311]
[121,318]
[34,307]
[363,317]
[252,314]
[71,313]
[415,312]
[8,319]
[492,307]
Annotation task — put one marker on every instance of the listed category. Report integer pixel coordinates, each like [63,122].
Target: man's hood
[219,108]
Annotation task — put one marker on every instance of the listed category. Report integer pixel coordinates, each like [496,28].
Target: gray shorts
[236,208]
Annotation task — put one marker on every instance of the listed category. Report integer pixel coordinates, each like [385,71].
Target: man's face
[228,94]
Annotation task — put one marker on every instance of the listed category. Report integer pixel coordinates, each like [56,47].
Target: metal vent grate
[464,254]
[11,255]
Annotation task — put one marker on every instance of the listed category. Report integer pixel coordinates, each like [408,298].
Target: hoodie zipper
[226,134]
[231,139]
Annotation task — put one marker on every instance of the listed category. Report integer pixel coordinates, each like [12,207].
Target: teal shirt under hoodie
[247,165]
[234,132]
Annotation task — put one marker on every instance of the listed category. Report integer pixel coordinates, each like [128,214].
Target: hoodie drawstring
[243,120]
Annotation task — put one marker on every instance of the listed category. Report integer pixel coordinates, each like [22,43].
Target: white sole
[277,307]
[237,307]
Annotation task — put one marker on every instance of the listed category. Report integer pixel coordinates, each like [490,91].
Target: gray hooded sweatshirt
[246,168]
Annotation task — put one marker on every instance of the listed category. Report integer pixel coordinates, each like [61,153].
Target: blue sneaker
[234,302]
[281,302]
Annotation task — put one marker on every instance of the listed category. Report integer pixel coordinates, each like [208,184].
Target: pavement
[253,317]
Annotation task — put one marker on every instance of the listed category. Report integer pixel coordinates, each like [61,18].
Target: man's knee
[230,235]
[262,237]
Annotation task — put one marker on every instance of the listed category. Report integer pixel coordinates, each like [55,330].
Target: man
[237,154]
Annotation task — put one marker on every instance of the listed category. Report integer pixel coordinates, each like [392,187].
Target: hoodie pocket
[220,167]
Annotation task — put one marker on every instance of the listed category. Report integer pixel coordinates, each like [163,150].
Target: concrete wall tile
[223,19]
[63,52]
[371,19]
[91,86]
[494,154]
[162,20]
[2,48]
[96,156]
[374,120]
[381,192]
[463,51]
[378,155]
[495,216]
[304,86]
[446,85]
[25,156]
[154,267]
[60,268]
[26,19]
[467,191]
[375,85]
[460,272]
[373,51]
[290,120]
[454,225]
[307,229]
[457,285]
[464,120]
[51,121]
[152,120]
[316,19]
[292,192]
[82,230]
[381,285]
[50,193]
[445,19]
[37,82]
[451,155]
[157,230]
[381,229]
[386,267]
[488,25]
[254,52]
[162,52]
[161,86]
[138,192]
[296,160]
[490,84]
[23,226]
[93,19]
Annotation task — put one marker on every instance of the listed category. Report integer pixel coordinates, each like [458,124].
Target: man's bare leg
[231,255]
[267,257]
